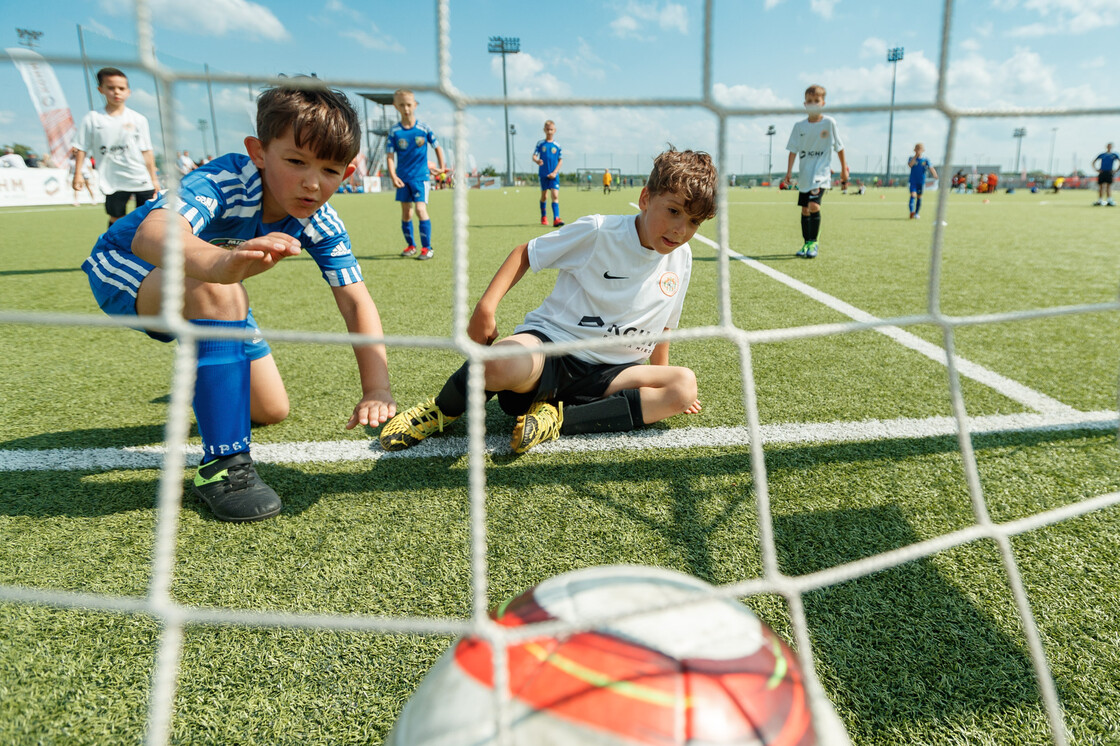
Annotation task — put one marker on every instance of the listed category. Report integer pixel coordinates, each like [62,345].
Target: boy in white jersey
[237,216]
[120,141]
[622,277]
[813,140]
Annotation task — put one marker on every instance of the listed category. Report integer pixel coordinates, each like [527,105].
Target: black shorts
[116,204]
[1104,177]
[804,198]
[565,378]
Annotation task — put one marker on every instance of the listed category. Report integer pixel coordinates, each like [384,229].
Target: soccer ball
[706,672]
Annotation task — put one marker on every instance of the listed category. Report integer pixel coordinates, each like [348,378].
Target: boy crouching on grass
[620,276]
[238,216]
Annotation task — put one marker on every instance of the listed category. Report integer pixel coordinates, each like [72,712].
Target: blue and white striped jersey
[222,202]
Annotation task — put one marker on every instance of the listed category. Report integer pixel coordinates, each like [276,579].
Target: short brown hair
[108,72]
[320,117]
[691,175]
[815,89]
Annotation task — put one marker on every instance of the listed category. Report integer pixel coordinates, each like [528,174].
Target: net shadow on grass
[902,649]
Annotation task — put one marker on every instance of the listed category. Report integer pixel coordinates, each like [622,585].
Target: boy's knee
[270,412]
[684,388]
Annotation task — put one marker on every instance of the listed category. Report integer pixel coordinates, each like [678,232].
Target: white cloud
[873,47]
[823,8]
[526,76]
[1068,17]
[211,18]
[585,61]
[7,117]
[637,16]
[746,96]
[357,27]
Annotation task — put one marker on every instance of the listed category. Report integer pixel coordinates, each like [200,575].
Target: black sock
[452,398]
[615,414]
[805,228]
[814,219]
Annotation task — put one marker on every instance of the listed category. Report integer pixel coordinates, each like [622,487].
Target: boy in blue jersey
[548,157]
[237,216]
[919,167]
[408,143]
[1108,162]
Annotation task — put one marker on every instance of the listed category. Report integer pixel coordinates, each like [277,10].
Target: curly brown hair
[320,117]
[691,175]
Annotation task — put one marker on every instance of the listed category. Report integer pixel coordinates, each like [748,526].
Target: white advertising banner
[50,102]
[43,186]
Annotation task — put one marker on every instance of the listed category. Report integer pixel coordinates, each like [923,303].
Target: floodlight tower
[28,37]
[1020,133]
[203,125]
[770,132]
[893,56]
[504,45]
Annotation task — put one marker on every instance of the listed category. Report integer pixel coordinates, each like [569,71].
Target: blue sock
[543,207]
[911,204]
[426,233]
[406,228]
[918,206]
[555,210]
[221,393]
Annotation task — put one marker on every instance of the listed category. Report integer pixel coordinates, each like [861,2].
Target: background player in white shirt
[119,139]
[622,277]
[813,140]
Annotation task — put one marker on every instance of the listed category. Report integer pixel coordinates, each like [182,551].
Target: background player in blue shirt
[548,157]
[1108,161]
[237,216]
[919,166]
[407,160]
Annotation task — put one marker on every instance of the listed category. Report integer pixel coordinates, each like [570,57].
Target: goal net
[175,618]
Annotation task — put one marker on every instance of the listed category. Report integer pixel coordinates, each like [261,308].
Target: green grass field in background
[929,652]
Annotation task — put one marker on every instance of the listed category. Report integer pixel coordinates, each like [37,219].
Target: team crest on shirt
[419,141]
[824,133]
[669,283]
[402,144]
[227,243]
[552,150]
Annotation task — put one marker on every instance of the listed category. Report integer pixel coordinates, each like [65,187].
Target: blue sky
[1004,53]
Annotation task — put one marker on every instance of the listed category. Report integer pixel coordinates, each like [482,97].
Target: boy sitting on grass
[238,216]
[620,276]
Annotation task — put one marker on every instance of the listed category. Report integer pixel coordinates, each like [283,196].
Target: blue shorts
[547,183]
[413,191]
[115,278]
[917,186]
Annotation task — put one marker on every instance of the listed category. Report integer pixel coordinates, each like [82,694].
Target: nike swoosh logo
[608,276]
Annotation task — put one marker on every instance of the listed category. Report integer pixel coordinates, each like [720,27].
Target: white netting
[173,616]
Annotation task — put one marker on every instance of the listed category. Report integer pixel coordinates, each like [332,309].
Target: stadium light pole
[770,132]
[202,127]
[1020,133]
[513,147]
[28,37]
[504,45]
[893,56]
[1053,139]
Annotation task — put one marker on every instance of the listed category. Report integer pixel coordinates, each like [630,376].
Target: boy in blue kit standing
[548,157]
[622,277]
[919,167]
[408,142]
[813,140]
[1108,162]
[238,216]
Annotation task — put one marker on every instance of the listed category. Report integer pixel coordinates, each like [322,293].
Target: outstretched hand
[255,256]
[376,408]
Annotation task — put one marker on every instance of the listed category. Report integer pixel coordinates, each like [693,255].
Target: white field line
[1013,390]
[151,457]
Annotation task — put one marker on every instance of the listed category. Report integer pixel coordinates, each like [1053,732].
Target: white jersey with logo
[609,286]
[117,145]
[814,142]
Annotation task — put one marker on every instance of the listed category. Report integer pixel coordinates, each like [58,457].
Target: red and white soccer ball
[706,672]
